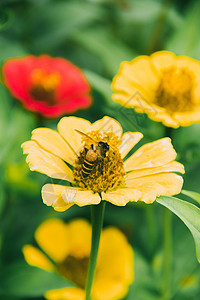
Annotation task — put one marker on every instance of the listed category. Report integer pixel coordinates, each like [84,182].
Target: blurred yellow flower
[146,174]
[68,245]
[163,85]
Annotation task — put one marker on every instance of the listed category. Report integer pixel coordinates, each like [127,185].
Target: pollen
[174,92]
[106,173]
[47,81]
[74,269]
[44,85]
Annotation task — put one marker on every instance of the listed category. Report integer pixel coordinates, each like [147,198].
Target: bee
[94,155]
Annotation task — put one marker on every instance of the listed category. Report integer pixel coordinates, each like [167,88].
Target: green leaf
[185,280]
[188,213]
[22,280]
[5,107]
[145,283]
[60,21]
[194,195]
[2,192]
[100,84]
[5,16]
[145,11]
[10,49]
[109,50]
[185,40]
[17,130]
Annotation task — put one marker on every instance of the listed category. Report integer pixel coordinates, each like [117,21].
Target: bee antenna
[78,131]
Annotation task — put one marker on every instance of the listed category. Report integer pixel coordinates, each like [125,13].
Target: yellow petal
[119,250]
[66,128]
[44,162]
[51,141]
[133,91]
[107,124]
[63,197]
[152,186]
[129,140]
[191,64]
[122,196]
[173,166]
[161,115]
[162,60]
[109,289]
[80,238]
[138,100]
[113,279]
[52,237]
[36,258]
[151,155]
[140,71]
[188,118]
[121,98]
[69,293]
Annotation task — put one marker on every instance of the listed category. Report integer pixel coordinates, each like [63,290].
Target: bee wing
[87,136]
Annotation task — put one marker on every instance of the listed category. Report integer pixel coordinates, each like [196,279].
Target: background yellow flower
[68,245]
[146,174]
[163,85]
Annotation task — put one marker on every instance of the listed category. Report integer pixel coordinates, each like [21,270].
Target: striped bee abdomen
[87,167]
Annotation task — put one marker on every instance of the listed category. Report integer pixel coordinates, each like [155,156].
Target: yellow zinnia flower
[145,175]
[163,85]
[68,245]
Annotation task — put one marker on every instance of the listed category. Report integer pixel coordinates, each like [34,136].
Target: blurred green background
[96,35]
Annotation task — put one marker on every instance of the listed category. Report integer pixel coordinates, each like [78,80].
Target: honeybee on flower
[146,174]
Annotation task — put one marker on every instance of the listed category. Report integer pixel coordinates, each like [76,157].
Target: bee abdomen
[87,167]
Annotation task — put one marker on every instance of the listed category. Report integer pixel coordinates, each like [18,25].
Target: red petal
[71,94]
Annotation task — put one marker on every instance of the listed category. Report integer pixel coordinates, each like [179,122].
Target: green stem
[167,264]
[150,217]
[97,215]
[39,121]
[167,231]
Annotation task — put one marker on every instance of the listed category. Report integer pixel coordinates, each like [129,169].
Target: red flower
[48,86]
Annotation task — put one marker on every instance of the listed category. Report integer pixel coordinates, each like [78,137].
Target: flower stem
[167,263]
[97,215]
[167,231]
[152,229]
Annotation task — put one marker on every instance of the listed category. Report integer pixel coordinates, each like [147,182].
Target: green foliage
[22,280]
[60,21]
[108,49]
[2,191]
[101,85]
[185,39]
[188,213]
[5,17]
[195,196]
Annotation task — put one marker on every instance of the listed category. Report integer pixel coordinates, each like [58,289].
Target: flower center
[74,269]
[44,86]
[99,166]
[174,92]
